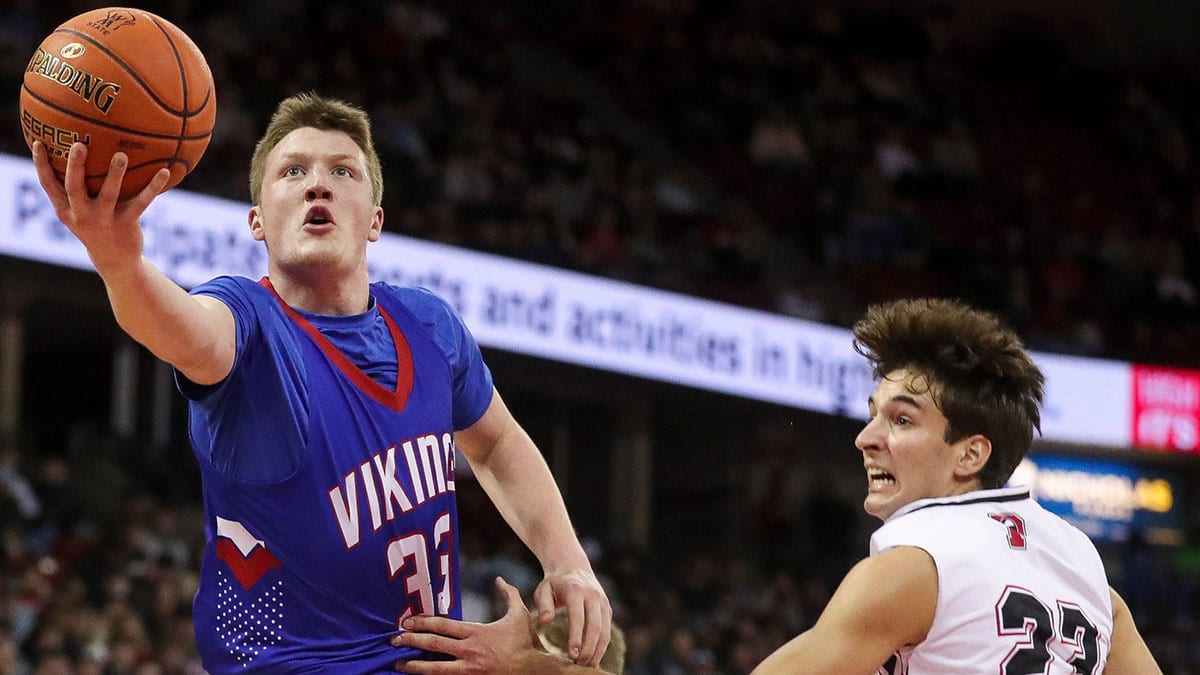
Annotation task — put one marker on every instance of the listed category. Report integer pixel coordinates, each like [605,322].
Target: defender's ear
[973,454]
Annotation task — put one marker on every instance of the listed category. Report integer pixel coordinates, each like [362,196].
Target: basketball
[120,80]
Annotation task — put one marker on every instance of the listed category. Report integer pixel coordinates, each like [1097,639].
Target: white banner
[599,323]
[1087,400]
[191,237]
[566,316]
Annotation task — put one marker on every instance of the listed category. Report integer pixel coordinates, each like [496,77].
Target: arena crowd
[807,161]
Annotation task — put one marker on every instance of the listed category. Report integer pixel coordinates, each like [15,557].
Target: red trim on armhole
[396,400]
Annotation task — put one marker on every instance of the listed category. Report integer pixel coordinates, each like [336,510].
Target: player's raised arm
[195,334]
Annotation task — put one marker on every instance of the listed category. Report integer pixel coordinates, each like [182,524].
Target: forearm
[802,654]
[516,477]
[159,314]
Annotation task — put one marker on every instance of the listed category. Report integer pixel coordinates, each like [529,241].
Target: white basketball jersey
[1020,590]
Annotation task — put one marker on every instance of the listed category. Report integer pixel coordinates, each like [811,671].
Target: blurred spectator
[777,146]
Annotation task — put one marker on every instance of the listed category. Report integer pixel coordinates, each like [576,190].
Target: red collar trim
[396,400]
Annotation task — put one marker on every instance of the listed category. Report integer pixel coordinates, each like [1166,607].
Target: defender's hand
[496,648]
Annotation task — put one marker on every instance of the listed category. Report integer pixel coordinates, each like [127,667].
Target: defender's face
[316,207]
[903,446]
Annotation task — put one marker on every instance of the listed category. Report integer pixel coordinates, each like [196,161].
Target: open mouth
[318,215]
[879,477]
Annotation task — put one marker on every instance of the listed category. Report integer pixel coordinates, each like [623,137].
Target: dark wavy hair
[978,372]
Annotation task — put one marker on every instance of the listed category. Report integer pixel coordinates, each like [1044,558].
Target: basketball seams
[165,162]
[170,36]
[168,161]
[120,61]
[137,79]
[108,125]
[183,84]
[153,132]
[169,33]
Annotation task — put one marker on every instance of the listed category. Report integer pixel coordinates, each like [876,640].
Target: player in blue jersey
[325,411]
[965,575]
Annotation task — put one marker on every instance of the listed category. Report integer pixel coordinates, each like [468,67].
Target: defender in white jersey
[1019,590]
[964,576]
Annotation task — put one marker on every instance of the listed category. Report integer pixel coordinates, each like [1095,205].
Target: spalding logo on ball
[120,80]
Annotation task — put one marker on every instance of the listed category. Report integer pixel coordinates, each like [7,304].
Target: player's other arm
[512,471]
[194,334]
[884,603]
[1129,654]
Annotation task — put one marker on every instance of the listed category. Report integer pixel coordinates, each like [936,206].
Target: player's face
[316,207]
[904,448]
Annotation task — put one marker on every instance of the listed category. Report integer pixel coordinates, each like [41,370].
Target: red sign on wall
[1166,408]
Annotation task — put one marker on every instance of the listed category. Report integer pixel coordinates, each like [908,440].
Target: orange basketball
[120,79]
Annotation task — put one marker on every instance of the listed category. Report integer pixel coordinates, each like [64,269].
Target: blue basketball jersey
[329,497]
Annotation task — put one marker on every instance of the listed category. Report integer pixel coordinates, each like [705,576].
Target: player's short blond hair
[311,110]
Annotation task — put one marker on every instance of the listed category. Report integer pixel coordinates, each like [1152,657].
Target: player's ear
[254,219]
[376,224]
[973,454]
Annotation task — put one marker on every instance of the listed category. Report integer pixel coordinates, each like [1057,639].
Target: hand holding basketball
[119,80]
[109,230]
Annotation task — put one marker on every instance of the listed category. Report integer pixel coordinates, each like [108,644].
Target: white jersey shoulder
[1020,590]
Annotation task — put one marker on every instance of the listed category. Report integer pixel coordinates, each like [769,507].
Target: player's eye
[293,171]
[343,172]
